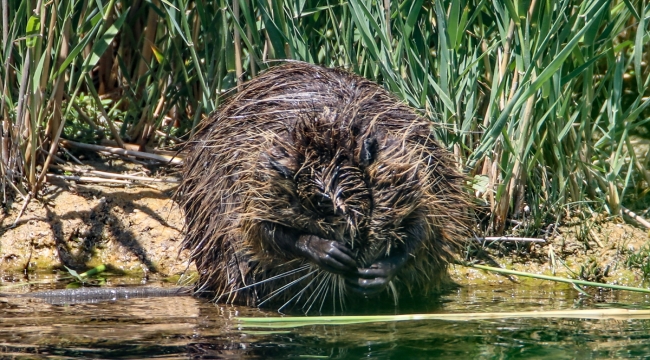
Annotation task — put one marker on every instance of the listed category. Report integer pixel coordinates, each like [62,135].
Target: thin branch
[161,158]
[88,179]
[110,175]
[635,217]
[509,238]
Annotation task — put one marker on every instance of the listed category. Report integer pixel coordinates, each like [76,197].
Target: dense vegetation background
[543,102]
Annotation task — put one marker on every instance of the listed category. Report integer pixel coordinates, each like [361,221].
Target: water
[186,327]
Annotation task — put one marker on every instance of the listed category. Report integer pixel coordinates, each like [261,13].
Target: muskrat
[312,183]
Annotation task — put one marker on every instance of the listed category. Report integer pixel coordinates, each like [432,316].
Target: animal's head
[326,162]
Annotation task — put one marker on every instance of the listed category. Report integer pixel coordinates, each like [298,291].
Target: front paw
[375,278]
[327,254]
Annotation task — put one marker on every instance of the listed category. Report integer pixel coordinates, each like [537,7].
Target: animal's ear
[282,169]
[281,161]
[368,152]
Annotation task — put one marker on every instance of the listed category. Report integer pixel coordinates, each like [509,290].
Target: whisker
[279,276]
[393,290]
[316,293]
[343,291]
[299,294]
[329,281]
[279,291]
[334,284]
[311,298]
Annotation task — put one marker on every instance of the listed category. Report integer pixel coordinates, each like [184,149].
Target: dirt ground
[597,249]
[137,230]
[133,229]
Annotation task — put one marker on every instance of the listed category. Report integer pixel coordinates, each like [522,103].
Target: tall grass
[539,100]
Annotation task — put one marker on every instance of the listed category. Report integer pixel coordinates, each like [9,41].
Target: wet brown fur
[261,166]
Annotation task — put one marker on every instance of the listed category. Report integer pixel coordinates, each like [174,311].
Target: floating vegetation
[297,321]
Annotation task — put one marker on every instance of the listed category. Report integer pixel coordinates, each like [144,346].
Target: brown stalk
[45,75]
[55,140]
[119,151]
[251,52]
[516,186]
[149,39]
[35,100]
[57,112]
[149,128]
[506,58]
[22,117]
[237,39]
[86,179]
[5,23]
[109,175]
[139,127]
[6,125]
[635,217]
[490,167]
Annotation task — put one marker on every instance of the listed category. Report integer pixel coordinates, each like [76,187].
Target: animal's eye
[368,151]
[321,203]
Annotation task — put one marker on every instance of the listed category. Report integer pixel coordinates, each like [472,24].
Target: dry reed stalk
[87,179]
[57,110]
[119,151]
[510,238]
[635,217]
[148,149]
[237,40]
[110,175]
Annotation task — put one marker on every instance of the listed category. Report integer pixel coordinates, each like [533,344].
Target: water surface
[186,327]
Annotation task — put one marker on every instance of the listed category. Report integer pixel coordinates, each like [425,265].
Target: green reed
[539,100]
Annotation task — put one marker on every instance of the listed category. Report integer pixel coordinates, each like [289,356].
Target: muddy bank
[132,229]
[137,230]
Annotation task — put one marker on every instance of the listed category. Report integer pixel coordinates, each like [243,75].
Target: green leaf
[77,49]
[414,11]
[638,53]
[74,274]
[156,52]
[100,46]
[37,72]
[33,30]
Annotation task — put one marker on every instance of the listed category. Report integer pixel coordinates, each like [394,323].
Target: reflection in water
[188,327]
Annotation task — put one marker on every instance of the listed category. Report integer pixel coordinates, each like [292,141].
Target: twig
[72,156]
[136,147]
[167,136]
[28,198]
[16,189]
[595,237]
[89,179]
[83,116]
[109,175]
[118,151]
[510,238]
[635,217]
